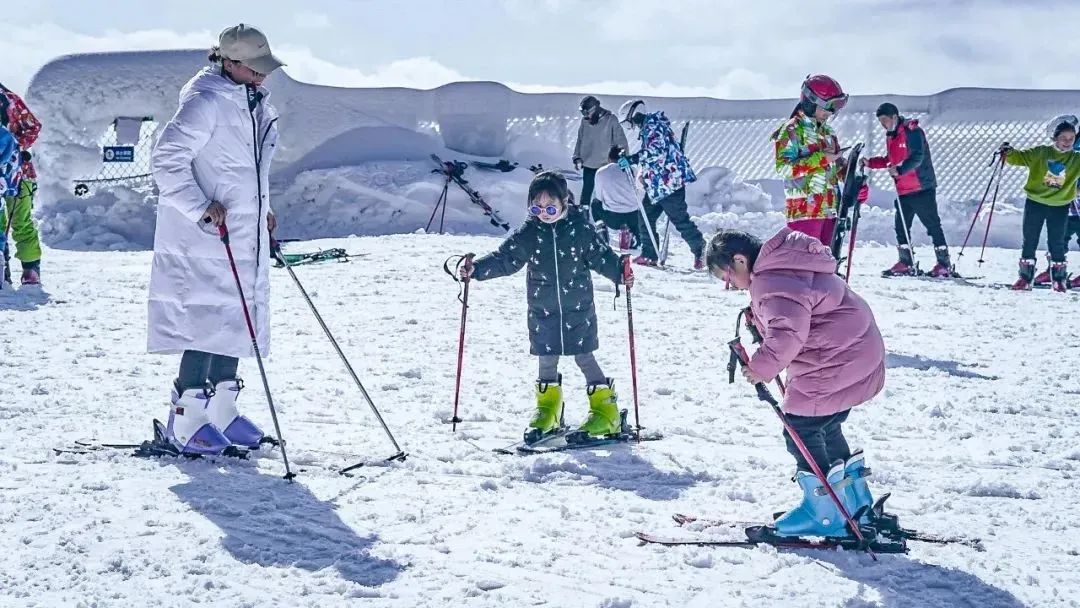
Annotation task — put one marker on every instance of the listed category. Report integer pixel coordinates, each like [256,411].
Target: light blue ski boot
[858,491]
[817,514]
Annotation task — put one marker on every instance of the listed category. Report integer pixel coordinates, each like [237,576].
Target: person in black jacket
[560,247]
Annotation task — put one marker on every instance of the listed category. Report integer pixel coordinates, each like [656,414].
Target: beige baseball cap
[247,45]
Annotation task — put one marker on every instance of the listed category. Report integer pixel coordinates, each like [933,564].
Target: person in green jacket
[1050,189]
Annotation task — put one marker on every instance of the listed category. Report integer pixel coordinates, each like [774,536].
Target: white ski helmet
[1055,124]
[631,107]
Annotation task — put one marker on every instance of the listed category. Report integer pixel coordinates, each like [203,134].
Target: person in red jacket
[908,162]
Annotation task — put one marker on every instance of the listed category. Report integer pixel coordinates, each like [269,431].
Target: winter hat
[887,109]
[588,102]
[1064,122]
[248,46]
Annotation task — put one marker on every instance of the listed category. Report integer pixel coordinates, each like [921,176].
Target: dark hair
[725,245]
[552,183]
[1063,126]
[887,109]
[614,153]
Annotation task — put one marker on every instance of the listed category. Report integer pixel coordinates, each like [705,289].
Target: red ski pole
[739,355]
[467,260]
[224,232]
[995,173]
[629,273]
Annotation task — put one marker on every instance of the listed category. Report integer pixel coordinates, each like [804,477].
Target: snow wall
[356,161]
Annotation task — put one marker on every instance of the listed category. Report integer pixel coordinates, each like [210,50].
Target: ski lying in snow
[553,435]
[763,535]
[323,255]
[503,165]
[568,174]
[926,276]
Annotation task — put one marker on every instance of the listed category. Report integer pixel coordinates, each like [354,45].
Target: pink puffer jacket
[815,326]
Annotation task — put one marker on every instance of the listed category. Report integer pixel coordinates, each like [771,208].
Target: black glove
[25,156]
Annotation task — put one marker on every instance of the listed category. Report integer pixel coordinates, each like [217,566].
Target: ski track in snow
[975,433]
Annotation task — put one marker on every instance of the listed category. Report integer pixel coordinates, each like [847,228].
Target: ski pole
[467,260]
[740,357]
[223,230]
[275,249]
[990,218]
[641,208]
[627,273]
[995,173]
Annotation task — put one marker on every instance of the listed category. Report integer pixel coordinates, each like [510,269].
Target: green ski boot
[604,418]
[549,404]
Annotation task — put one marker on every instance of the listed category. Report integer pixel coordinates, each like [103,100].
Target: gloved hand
[624,162]
[25,156]
[578,164]
[864,193]
[1004,149]
[465,271]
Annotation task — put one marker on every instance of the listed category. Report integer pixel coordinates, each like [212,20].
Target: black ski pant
[588,181]
[924,205]
[823,437]
[1072,228]
[197,368]
[674,205]
[1055,218]
[617,221]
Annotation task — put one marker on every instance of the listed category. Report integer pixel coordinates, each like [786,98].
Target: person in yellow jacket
[1050,189]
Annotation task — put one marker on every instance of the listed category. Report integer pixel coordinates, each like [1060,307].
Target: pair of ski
[884,529]
[566,438]
[154,448]
[454,171]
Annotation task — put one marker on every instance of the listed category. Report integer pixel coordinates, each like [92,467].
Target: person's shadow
[903,582]
[270,522]
[24,299]
[616,467]
[924,364]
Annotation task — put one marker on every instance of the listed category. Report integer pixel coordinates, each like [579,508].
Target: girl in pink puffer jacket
[825,335]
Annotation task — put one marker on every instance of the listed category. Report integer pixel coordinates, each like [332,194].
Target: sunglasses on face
[550,210]
[587,111]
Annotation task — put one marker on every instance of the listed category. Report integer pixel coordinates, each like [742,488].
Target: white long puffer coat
[216,148]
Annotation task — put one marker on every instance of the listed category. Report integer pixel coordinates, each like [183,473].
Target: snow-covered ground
[975,433]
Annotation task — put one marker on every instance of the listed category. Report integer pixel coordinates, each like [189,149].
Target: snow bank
[355,161]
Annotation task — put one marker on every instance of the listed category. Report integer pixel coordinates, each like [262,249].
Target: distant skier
[908,160]
[20,206]
[210,165]
[618,198]
[808,157]
[1051,188]
[560,248]
[664,171]
[598,131]
[825,335]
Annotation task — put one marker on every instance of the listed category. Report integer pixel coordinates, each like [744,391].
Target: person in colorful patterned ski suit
[808,158]
[561,248]
[664,171]
[825,336]
[908,161]
[16,116]
[1053,171]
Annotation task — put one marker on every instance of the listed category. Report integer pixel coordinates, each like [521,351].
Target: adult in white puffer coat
[211,164]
